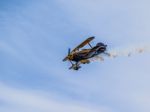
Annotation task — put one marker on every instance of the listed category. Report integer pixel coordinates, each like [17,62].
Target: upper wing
[80,46]
[83,43]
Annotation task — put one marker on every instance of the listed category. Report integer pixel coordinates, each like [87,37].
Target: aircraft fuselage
[89,53]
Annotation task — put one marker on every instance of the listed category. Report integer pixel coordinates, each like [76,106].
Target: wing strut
[90,45]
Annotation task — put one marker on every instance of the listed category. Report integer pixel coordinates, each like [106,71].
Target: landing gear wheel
[77,67]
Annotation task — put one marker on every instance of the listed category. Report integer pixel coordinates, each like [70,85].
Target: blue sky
[35,36]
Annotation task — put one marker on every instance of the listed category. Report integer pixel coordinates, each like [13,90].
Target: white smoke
[124,51]
[129,50]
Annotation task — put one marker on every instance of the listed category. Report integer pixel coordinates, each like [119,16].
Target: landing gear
[75,66]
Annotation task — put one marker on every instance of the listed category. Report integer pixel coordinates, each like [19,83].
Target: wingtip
[65,59]
[92,37]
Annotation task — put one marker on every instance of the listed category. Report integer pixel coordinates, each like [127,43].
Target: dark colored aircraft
[82,56]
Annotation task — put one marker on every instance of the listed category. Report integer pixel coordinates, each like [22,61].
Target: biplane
[81,56]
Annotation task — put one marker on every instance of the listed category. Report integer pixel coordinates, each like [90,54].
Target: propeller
[69,56]
[69,51]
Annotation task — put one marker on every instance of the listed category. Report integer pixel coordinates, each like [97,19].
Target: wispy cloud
[30,100]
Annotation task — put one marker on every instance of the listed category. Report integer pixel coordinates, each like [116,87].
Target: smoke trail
[129,51]
[124,51]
